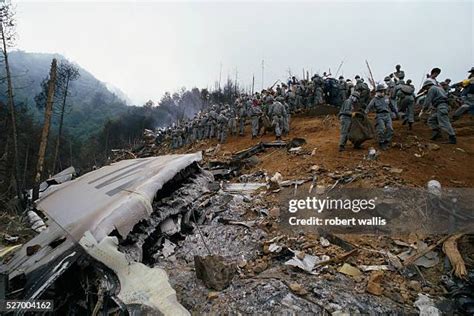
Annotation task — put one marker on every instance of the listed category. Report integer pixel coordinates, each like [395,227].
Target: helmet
[341,77]
[435,70]
[428,82]
[387,78]
[380,87]
[472,70]
[398,66]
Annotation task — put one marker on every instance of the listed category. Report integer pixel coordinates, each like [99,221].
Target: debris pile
[209,232]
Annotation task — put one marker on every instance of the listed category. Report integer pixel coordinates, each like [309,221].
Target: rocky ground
[358,273]
[419,158]
[266,268]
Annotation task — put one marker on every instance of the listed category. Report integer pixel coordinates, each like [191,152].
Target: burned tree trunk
[11,108]
[46,125]
[67,73]
[61,120]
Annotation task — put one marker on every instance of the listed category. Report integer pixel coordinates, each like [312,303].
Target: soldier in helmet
[342,88]
[406,99]
[382,106]
[286,118]
[363,90]
[350,87]
[202,126]
[255,111]
[299,96]
[392,89]
[277,113]
[439,119]
[205,126]
[318,89]
[212,121]
[241,107]
[434,73]
[345,117]
[232,117]
[399,73]
[222,126]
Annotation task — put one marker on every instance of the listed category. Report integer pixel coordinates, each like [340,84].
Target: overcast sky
[148,47]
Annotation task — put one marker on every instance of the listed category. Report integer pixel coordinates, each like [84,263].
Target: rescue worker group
[271,109]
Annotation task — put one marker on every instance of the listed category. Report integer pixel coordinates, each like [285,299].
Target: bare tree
[7,37]
[66,74]
[46,125]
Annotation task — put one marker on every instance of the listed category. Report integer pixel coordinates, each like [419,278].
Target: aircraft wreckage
[88,241]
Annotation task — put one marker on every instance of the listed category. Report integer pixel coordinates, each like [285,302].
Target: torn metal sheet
[429,260]
[276,143]
[113,197]
[288,183]
[139,284]
[45,256]
[36,223]
[246,153]
[63,176]
[303,261]
[243,187]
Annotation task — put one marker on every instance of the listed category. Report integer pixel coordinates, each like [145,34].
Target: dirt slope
[412,151]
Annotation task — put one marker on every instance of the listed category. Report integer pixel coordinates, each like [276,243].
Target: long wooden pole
[371,75]
[46,126]
[11,107]
[253,83]
[339,68]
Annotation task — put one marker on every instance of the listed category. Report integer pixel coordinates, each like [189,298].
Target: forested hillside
[90,104]
[95,120]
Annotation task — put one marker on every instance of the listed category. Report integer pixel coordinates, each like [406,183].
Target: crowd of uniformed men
[271,109]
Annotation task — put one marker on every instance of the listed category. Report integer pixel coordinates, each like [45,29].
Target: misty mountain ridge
[90,103]
[118,92]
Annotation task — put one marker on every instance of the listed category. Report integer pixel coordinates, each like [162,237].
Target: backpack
[407,89]
[361,129]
